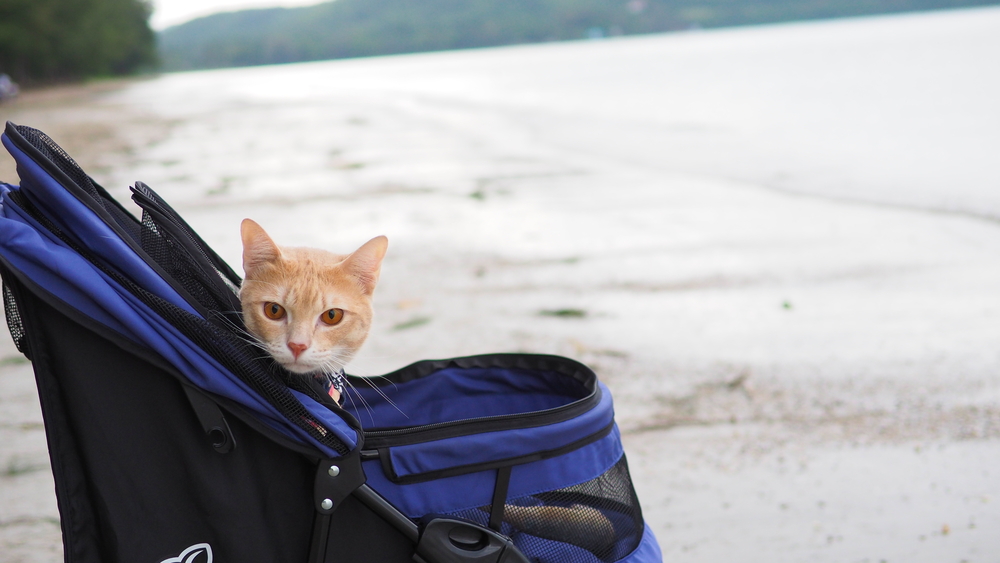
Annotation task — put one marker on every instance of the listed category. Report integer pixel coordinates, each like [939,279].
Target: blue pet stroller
[173,440]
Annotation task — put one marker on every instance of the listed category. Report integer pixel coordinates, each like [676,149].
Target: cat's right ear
[258,248]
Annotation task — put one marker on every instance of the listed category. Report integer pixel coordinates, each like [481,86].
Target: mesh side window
[179,251]
[178,264]
[148,200]
[14,322]
[599,520]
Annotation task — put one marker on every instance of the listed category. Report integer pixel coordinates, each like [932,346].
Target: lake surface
[899,109]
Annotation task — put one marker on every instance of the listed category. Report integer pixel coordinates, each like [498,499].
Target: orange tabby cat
[309,308]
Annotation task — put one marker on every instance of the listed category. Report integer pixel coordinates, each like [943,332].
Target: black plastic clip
[212,420]
[449,540]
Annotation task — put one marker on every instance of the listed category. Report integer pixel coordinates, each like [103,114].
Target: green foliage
[356,28]
[51,40]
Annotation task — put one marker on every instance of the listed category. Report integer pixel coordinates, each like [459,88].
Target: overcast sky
[172,12]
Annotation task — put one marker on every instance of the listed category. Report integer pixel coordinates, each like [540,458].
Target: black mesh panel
[601,516]
[14,322]
[179,265]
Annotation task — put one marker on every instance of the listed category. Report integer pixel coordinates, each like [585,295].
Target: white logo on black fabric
[193,554]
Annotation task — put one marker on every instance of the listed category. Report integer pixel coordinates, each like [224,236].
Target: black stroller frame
[155,461]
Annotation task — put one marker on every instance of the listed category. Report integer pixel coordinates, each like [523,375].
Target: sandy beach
[786,273]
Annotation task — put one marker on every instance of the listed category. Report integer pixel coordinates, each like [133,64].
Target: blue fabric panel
[573,468]
[72,279]
[472,490]
[648,550]
[51,266]
[495,446]
[78,221]
[460,393]
[439,496]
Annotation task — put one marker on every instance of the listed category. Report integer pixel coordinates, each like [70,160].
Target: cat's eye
[332,317]
[274,311]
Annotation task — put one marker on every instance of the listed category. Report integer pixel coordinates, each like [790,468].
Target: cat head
[309,308]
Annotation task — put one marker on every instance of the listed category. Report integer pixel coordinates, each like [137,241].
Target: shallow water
[898,109]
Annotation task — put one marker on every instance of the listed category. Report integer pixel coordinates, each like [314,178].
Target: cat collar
[334,380]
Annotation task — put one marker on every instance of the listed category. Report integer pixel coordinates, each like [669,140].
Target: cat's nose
[297,349]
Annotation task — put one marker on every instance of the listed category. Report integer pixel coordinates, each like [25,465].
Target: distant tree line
[55,40]
[356,28]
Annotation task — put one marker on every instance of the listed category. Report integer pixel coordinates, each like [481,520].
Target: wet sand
[798,377]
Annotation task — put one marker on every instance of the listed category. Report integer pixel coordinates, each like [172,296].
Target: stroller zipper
[451,429]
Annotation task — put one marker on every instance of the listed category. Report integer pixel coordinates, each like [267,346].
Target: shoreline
[99,134]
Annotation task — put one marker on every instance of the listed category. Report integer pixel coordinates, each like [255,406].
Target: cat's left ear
[366,263]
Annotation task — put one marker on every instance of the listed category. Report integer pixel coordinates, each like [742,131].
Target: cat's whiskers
[391,382]
[336,361]
[221,315]
[377,390]
[371,413]
[333,368]
[250,339]
[237,330]
[241,333]
[240,313]
[384,396]
[339,356]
